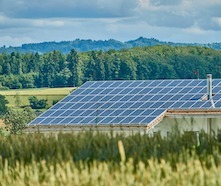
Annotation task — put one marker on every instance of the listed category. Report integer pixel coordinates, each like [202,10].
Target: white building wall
[197,124]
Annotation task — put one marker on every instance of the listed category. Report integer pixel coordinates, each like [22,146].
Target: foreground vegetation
[101,173]
[109,159]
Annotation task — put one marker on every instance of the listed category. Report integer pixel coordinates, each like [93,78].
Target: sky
[34,21]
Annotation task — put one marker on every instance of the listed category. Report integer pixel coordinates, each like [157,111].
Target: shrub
[37,104]
[3,106]
[54,102]
[16,120]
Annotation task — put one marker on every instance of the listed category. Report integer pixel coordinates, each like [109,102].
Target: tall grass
[102,173]
[91,146]
[105,159]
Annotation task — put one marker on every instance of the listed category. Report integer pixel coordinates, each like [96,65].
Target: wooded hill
[89,45]
[55,69]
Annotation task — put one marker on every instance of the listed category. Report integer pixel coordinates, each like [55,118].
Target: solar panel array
[128,102]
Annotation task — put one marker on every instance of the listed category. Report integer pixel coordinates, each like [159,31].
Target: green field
[95,159]
[19,97]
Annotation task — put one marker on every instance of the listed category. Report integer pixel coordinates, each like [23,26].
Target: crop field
[19,98]
[89,158]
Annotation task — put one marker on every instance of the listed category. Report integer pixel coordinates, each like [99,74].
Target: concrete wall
[187,123]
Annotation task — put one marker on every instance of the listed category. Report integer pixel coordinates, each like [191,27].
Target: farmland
[105,159]
[19,97]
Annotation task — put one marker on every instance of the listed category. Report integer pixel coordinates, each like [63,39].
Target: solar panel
[128,102]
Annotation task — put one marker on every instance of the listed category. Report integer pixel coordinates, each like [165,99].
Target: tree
[90,73]
[3,105]
[99,66]
[37,104]
[27,80]
[16,120]
[50,68]
[127,68]
[62,77]
[75,68]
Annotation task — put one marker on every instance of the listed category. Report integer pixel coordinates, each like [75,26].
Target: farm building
[139,105]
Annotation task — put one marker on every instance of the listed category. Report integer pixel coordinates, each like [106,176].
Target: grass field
[103,159]
[19,98]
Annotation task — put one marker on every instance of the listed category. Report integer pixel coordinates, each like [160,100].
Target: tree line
[55,69]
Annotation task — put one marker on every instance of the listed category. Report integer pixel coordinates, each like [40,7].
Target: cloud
[24,21]
[217,21]
[67,8]
[164,2]
[15,41]
[181,13]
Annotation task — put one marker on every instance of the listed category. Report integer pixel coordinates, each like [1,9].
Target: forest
[56,69]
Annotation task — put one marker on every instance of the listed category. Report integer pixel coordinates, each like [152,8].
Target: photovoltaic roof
[128,102]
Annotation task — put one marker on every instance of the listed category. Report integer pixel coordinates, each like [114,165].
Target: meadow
[19,97]
[89,158]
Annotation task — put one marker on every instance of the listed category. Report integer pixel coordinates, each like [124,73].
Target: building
[144,105]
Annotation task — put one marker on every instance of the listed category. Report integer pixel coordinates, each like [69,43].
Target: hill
[89,45]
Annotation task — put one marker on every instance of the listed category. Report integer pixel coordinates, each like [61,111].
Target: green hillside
[89,45]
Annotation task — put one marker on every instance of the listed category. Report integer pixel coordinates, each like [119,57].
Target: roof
[129,103]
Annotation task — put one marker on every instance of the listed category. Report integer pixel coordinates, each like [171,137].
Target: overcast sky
[31,21]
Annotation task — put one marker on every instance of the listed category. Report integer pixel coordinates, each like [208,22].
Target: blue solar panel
[137,120]
[96,84]
[148,119]
[194,83]
[165,83]
[128,102]
[107,84]
[76,112]
[157,112]
[175,83]
[75,120]
[167,104]
[57,120]
[106,120]
[76,99]
[46,114]
[135,84]
[57,113]
[47,120]
[216,89]
[116,84]
[166,97]
[85,113]
[97,98]
[175,90]
[198,104]
[67,99]
[37,120]
[155,91]
[97,112]
[137,112]
[165,90]
[155,83]
[217,97]
[178,104]
[184,83]
[218,104]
